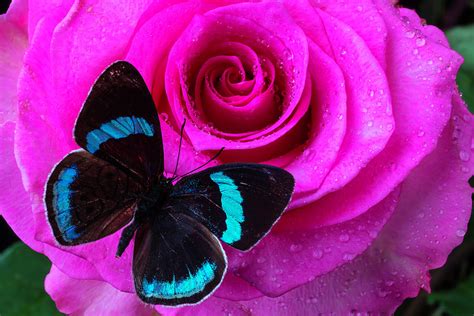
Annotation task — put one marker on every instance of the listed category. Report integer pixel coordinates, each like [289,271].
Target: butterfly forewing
[176,261]
[88,198]
[239,203]
[119,122]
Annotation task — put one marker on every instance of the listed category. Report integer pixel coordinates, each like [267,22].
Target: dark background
[445,14]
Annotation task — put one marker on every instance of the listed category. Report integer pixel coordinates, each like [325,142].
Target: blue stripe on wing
[231,201]
[121,127]
[62,203]
[193,284]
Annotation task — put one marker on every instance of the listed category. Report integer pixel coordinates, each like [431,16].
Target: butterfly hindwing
[119,122]
[239,203]
[176,261]
[88,198]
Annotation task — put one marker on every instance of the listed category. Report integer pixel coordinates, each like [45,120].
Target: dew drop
[415,51]
[318,254]
[460,233]
[389,283]
[296,248]
[370,123]
[464,155]
[382,293]
[420,42]
[261,260]
[344,238]
[348,256]
[373,234]
[410,34]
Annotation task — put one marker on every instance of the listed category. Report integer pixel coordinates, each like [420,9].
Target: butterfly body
[117,182]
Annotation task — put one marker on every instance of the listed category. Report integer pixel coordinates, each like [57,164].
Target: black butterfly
[118,179]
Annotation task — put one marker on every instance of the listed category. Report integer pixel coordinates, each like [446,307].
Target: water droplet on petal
[344,237]
[460,233]
[389,282]
[382,293]
[373,234]
[318,254]
[464,155]
[420,41]
[410,34]
[348,256]
[261,260]
[295,247]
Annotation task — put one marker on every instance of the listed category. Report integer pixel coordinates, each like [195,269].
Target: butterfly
[117,181]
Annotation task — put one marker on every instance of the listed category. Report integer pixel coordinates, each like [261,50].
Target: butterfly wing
[88,198]
[176,261]
[119,122]
[239,203]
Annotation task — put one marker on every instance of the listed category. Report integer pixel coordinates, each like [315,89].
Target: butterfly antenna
[207,162]
[179,150]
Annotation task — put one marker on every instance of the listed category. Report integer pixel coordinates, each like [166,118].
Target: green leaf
[458,301]
[462,39]
[22,273]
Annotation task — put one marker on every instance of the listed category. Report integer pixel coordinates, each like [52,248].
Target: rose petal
[46,10]
[236,288]
[434,33]
[17,14]
[236,16]
[153,39]
[370,122]
[90,37]
[15,204]
[363,17]
[15,207]
[284,260]
[79,297]
[328,114]
[13,43]
[430,221]
[421,96]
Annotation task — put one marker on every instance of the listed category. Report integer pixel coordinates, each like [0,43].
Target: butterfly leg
[126,237]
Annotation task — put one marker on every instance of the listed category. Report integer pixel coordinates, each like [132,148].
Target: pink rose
[357,99]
